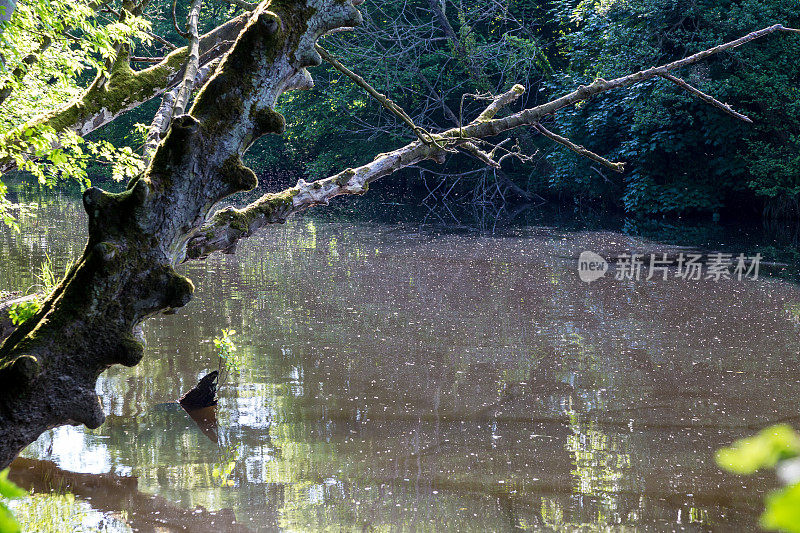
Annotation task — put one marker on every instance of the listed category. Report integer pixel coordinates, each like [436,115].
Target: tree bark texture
[49,365]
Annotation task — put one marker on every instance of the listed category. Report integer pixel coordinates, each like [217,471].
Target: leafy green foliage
[763,450]
[8,524]
[683,156]
[82,43]
[22,311]
[783,510]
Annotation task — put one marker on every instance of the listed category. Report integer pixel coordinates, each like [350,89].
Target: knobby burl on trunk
[136,238]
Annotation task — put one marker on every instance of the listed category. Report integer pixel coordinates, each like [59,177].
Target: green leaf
[8,489]
[783,510]
[8,524]
[765,449]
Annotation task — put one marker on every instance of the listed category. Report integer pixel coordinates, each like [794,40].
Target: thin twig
[182,33]
[392,107]
[705,97]
[161,40]
[578,149]
[137,59]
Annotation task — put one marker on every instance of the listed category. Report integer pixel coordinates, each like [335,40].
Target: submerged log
[204,394]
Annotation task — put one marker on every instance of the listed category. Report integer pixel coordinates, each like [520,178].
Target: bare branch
[138,59]
[499,103]
[161,40]
[229,225]
[480,154]
[706,98]
[392,107]
[578,149]
[192,61]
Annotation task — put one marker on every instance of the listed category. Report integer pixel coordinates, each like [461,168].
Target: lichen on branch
[136,237]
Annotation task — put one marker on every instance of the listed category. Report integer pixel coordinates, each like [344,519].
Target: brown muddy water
[399,376]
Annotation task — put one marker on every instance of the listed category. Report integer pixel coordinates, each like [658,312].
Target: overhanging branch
[192,61]
[227,226]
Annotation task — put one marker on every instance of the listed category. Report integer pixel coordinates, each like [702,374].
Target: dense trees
[683,156]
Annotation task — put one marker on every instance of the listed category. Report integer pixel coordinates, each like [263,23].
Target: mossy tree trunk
[122,89]
[49,365]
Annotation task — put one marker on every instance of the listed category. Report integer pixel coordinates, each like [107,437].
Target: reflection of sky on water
[397,375]
[75,450]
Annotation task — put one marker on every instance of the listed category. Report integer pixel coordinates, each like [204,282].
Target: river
[398,373]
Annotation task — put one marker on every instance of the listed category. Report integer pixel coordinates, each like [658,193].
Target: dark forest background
[683,157]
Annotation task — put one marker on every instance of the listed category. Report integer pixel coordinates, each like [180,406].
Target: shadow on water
[398,375]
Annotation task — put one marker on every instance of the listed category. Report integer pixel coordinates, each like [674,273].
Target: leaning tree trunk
[136,238]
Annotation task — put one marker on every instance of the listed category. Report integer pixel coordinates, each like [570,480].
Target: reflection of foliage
[768,449]
[8,524]
[600,461]
[223,469]
[62,512]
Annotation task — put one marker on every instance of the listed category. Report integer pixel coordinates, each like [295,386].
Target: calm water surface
[398,376]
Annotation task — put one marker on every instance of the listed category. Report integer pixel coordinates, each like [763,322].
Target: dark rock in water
[204,394]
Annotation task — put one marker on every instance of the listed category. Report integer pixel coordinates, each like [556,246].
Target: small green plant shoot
[229,358]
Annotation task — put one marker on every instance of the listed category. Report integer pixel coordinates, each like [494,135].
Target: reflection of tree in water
[116,496]
[398,376]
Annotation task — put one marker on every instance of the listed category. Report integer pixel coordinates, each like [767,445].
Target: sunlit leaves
[783,510]
[8,489]
[22,311]
[83,42]
[8,524]
[763,450]
[767,449]
[227,350]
